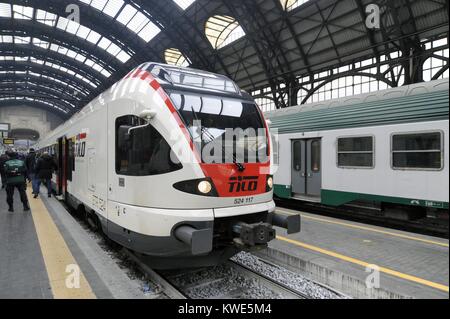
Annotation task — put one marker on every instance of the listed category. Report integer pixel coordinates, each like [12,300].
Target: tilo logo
[243,184]
[73,279]
[73,12]
[373,279]
[373,16]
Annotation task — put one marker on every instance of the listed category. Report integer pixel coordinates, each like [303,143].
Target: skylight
[31,99]
[21,12]
[5,10]
[72,27]
[71,54]
[108,7]
[128,15]
[46,17]
[49,64]
[289,5]
[93,37]
[137,22]
[36,89]
[184,4]
[175,57]
[223,30]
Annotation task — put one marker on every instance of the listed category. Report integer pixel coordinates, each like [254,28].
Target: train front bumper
[244,226]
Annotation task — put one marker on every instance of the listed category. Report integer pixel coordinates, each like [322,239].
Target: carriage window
[355,152]
[297,162]
[315,156]
[417,151]
[144,151]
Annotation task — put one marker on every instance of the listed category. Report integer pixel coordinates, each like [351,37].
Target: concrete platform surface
[341,253]
[47,254]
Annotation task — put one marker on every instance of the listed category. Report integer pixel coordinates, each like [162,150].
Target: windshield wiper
[211,138]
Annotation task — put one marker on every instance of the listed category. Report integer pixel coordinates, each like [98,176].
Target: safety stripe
[67,280]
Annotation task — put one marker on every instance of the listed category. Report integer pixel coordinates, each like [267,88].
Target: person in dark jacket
[16,176]
[3,159]
[30,162]
[45,167]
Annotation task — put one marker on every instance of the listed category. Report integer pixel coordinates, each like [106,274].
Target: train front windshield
[226,130]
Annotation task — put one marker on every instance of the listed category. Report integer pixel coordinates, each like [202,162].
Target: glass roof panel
[5,10]
[6,39]
[149,32]
[113,7]
[46,17]
[21,12]
[184,4]
[56,66]
[289,5]
[223,30]
[175,57]
[126,14]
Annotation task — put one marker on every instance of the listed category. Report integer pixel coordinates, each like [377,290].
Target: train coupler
[292,223]
[253,234]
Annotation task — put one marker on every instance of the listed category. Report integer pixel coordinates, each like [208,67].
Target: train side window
[315,156]
[144,151]
[355,152]
[417,151]
[297,151]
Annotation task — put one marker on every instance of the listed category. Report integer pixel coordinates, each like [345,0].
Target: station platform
[342,254]
[45,253]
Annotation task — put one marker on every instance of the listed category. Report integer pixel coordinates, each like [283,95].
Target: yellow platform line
[366,264]
[57,256]
[368,229]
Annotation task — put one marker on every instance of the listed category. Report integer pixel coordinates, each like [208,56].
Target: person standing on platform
[30,162]
[45,167]
[16,176]
[3,159]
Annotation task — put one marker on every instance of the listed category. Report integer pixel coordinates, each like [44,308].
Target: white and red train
[134,160]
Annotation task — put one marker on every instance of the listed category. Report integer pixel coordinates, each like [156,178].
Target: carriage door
[60,172]
[298,167]
[306,167]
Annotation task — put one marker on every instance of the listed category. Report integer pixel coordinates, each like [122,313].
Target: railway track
[231,280]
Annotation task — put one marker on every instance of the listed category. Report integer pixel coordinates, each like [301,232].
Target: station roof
[51,61]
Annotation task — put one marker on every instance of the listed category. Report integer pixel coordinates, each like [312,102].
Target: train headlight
[269,183]
[204,187]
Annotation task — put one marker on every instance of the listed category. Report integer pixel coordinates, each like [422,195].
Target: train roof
[195,81]
[413,107]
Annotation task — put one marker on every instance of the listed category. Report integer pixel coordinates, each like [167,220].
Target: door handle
[303,175]
[309,175]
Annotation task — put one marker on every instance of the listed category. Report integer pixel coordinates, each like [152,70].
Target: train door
[60,162]
[306,167]
[118,182]
[63,166]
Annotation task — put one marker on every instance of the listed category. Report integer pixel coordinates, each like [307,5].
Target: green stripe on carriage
[337,198]
[282,191]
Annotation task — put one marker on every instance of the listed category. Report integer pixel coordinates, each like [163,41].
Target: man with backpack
[16,175]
